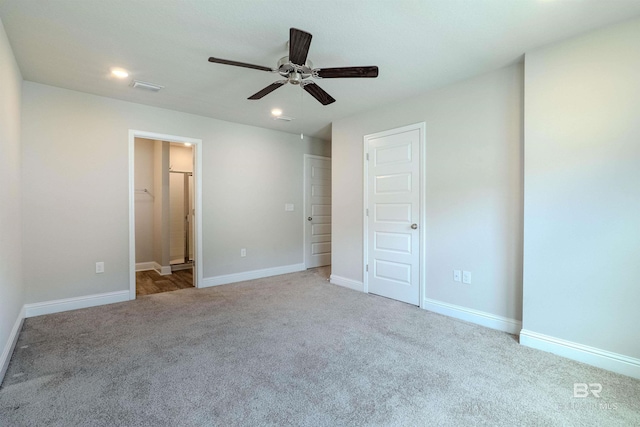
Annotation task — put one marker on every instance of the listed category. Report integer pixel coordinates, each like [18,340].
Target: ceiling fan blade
[267,90]
[299,42]
[318,93]
[239,64]
[333,73]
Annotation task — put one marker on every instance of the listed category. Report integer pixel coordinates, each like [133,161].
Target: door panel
[317,180]
[400,153]
[392,271]
[392,212]
[394,205]
[318,229]
[320,210]
[320,248]
[394,242]
[399,183]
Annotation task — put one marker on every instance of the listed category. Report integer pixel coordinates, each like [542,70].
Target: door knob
[309,218]
[414,226]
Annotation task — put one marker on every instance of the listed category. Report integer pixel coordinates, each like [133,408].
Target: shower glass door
[181,217]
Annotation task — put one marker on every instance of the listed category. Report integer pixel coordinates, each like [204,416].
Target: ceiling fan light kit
[298,70]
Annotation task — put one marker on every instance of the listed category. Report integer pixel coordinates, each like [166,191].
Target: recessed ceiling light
[276,112]
[187,144]
[119,73]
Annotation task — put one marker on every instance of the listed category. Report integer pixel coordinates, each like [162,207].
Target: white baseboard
[145,266]
[250,275]
[163,270]
[56,306]
[481,318]
[5,358]
[347,283]
[179,267]
[604,359]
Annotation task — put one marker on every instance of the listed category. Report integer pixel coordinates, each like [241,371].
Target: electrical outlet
[466,277]
[243,252]
[288,207]
[457,275]
[100,267]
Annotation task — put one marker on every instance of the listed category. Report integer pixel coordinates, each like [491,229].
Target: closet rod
[144,190]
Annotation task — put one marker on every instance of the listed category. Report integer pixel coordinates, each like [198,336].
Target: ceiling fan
[297,70]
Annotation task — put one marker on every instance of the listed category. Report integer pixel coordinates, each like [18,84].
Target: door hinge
[367,156]
[367,212]
[367,269]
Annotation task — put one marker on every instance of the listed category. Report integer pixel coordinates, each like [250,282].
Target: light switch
[243,252]
[466,277]
[457,274]
[99,267]
[288,207]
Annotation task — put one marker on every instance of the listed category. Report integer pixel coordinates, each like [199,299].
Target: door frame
[197,179]
[304,202]
[422,265]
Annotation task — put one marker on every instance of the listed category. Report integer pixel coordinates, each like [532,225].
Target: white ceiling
[418,45]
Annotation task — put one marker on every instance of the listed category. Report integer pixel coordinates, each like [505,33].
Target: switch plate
[466,277]
[100,267]
[243,252]
[457,275]
[288,207]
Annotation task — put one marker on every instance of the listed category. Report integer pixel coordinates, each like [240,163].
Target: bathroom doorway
[164,221]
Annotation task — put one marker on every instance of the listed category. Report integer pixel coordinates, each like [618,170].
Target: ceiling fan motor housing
[294,73]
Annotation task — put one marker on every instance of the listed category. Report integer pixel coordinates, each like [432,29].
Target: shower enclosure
[181,219]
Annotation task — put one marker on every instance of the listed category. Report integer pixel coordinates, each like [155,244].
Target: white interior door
[317,230]
[393,199]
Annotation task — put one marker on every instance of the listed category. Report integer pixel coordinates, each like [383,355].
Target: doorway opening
[164,213]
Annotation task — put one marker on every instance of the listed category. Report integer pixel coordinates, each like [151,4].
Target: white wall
[144,202]
[473,190]
[11,282]
[582,190]
[76,190]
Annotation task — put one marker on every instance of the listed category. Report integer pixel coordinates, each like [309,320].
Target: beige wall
[11,282]
[582,190]
[473,190]
[76,190]
[181,158]
[144,202]
[161,203]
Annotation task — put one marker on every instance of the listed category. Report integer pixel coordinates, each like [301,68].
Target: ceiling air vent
[283,118]
[146,86]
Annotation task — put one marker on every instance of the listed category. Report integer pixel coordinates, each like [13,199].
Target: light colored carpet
[291,350]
